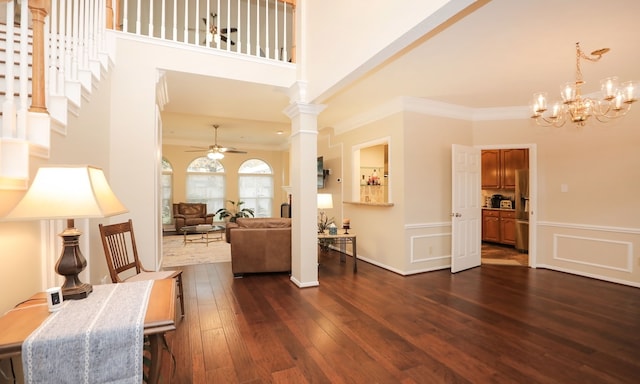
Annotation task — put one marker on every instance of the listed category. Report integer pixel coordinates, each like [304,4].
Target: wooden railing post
[109,15]
[39,10]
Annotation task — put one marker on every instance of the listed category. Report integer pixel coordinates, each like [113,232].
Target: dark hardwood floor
[491,324]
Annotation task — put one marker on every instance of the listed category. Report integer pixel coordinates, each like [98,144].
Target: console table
[18,323]
[343,239]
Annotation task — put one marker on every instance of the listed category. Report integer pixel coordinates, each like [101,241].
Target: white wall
[349,38]
[24,245]
[135,138]
[592,229]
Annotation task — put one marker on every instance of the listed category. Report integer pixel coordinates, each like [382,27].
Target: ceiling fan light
[214,155]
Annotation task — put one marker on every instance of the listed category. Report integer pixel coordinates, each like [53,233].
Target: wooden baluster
[109,15]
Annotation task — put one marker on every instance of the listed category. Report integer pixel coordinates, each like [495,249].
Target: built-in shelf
[369,204]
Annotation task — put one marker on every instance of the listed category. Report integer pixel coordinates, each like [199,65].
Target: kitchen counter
[498,209]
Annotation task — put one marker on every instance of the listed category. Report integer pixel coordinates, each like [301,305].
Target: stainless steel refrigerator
[522,210]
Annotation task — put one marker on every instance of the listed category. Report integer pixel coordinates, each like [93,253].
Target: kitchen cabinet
[499,226]
[508,227]
[490,225]
[499,167]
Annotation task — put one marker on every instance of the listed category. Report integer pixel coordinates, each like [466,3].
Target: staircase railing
[69,52]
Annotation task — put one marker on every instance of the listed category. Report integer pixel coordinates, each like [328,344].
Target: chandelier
[615,100]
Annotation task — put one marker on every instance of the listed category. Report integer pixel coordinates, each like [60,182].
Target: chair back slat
[120,249]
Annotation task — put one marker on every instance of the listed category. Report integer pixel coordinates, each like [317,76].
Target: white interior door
[466,214]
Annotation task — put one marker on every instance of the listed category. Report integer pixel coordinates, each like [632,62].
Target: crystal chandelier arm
[615,101]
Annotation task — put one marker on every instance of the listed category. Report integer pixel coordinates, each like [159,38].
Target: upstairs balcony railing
[261,28]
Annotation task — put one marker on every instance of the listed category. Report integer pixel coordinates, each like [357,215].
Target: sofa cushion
[188,209]
[263,222]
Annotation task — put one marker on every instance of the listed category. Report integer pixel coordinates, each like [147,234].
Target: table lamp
[325,201]
[69,192]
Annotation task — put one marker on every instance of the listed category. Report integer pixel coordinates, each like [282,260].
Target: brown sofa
[191,214]
[260,245]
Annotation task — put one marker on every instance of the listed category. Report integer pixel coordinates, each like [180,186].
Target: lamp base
[70,264]
[76,293]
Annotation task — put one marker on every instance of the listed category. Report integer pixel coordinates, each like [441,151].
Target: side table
[343,239]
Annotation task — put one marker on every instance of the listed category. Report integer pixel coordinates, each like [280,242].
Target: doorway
[507,199]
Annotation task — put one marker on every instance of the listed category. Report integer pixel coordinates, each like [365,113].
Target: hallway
[503,255]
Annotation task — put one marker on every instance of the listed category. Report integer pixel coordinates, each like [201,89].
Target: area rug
[499,261]
[175,253]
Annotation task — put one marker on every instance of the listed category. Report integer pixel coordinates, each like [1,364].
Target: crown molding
[431,108]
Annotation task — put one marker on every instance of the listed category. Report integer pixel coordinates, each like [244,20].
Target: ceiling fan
[215,151]
[213,35]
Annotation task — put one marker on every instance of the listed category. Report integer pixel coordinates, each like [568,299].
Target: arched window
[167,191]
[255,183]
[205,183]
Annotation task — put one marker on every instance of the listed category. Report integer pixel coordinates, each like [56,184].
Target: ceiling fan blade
[233,150]
[229,30]
[224,38]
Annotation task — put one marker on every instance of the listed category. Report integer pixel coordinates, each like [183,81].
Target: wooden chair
[120,250]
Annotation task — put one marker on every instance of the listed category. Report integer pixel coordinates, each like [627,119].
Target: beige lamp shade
[325,201]
[61,192]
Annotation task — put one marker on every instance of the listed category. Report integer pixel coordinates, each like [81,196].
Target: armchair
[191,214]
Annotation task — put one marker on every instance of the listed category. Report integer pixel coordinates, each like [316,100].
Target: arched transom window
[206,183]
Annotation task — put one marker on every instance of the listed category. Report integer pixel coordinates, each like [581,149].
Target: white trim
[591,275]
[427,225]
[304,285]
[589,227]
[432,108]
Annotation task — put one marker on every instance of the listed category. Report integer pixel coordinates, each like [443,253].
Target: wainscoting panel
[590,251]
[601,252]
[429,247]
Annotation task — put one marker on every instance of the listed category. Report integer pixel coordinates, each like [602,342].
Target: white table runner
[98,339]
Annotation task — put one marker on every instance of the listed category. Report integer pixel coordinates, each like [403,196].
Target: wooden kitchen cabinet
[512,160]
[490,225]
[499,167]
[508,227]
[491,169]
[499,226]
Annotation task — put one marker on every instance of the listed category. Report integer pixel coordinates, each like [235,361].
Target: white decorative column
[303,156]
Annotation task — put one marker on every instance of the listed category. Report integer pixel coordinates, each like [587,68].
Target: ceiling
[496,56]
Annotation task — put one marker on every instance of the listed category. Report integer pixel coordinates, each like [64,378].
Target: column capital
[297,108]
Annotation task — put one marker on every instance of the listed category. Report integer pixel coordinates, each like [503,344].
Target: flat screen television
[320,173]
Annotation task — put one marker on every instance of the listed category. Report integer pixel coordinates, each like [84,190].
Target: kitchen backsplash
[487,194]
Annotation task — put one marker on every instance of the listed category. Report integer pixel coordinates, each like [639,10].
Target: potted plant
[323,226]
[235,212]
